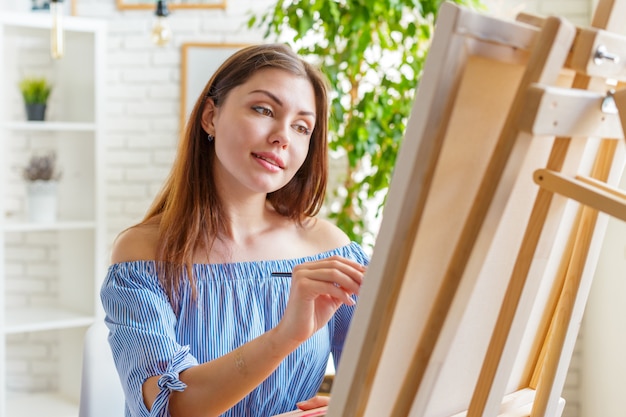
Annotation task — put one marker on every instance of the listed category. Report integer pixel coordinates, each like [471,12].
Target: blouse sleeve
[343,316]
[142,326]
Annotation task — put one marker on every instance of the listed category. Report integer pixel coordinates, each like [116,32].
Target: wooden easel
[482,267]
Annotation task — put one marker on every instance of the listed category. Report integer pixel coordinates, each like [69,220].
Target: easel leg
[548,368]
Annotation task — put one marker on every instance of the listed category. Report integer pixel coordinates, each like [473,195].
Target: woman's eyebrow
[279,101]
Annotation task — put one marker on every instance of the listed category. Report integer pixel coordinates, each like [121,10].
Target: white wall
[604,343]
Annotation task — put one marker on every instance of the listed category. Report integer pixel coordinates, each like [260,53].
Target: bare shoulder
[325,235]
[137,243]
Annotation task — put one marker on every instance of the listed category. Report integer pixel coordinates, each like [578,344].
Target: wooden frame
[199,60]
[72,7]
[149,4]
[479,276]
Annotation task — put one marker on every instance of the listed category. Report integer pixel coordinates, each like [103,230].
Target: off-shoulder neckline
[351,244]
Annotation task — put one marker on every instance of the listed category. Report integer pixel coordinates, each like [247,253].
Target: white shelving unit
[50,273]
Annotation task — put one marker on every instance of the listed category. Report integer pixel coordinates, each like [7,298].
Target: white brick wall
[32,359]
[142,106]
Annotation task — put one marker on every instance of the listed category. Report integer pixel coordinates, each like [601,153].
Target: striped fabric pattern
[236,303]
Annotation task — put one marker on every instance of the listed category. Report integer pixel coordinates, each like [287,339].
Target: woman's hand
[315,402]
[318,289]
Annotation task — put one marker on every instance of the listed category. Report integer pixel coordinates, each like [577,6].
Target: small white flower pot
[42,201]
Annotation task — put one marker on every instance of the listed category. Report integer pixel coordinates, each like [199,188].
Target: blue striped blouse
[236,303]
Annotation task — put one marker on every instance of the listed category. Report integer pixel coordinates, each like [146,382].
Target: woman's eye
[262,110]
[302,129]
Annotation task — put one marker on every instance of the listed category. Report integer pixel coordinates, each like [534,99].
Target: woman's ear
[208,112]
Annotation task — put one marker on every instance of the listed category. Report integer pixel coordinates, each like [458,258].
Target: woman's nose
[280,134]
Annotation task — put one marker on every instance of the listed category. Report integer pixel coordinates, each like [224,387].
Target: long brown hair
[188,207]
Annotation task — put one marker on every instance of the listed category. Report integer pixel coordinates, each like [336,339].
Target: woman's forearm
[216,386]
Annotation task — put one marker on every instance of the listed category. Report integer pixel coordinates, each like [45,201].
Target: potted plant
[35,92]
[42,177]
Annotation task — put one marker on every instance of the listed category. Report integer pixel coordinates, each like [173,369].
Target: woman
[198,324]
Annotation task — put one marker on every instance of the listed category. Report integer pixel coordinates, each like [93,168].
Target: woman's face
[262,131]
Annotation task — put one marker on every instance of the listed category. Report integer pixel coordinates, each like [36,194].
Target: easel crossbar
[588,191]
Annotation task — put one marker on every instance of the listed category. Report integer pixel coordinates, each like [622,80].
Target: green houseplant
[373,53]
[42,175]
[35,92]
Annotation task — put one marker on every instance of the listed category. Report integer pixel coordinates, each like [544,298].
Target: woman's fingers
[318,289]
[315,402]
[341,272]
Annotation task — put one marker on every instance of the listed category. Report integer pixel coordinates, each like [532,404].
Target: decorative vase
[42,201]
[36,111]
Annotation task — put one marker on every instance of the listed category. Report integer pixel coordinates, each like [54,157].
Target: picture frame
[199,60]
[69,6]
[172,5]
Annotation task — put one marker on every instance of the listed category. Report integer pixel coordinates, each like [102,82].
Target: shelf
[50,273]
[33,319]
[43,21]
[45,126]
[40,227]
[33,405]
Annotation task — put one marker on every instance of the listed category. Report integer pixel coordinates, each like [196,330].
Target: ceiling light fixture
[161,32]
[56,33]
